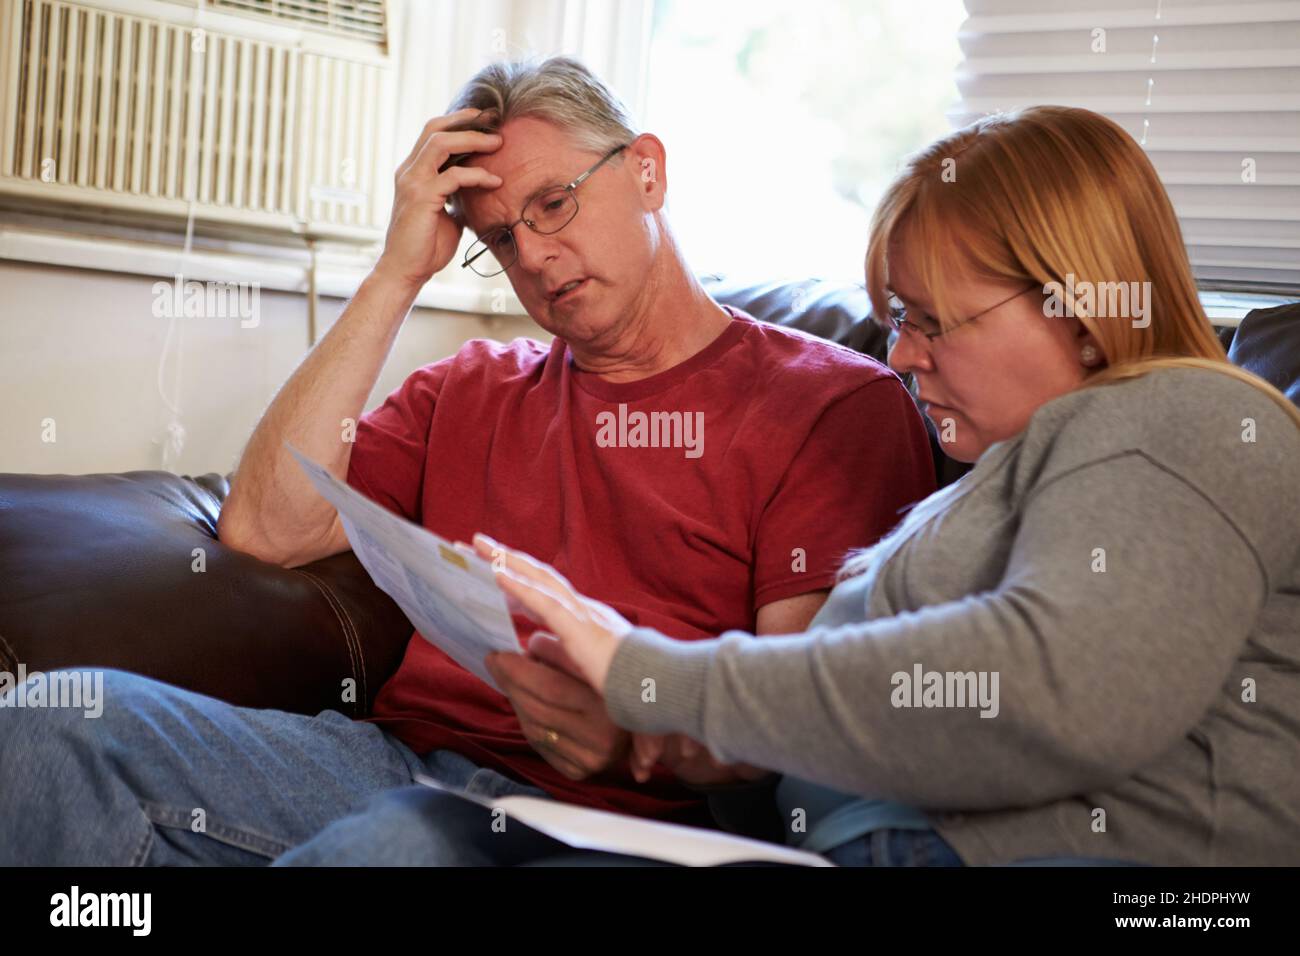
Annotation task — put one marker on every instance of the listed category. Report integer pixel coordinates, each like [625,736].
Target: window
[1210,88]
[785,122]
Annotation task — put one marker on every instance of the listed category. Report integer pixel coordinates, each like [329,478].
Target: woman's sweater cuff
[656,684]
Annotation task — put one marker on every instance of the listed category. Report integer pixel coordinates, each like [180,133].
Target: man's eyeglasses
[545,214]
[921,324]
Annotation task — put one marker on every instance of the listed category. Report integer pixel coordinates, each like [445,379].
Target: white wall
[83,348]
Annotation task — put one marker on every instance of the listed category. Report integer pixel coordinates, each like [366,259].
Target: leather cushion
[1268,343]
[97,572]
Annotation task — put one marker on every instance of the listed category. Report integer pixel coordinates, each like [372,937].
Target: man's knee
[57,710]
[409,826]
[430,810]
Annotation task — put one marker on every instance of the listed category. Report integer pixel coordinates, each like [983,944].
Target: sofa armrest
[125,571]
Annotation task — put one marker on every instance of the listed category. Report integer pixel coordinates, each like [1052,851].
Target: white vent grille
[104,109]
[349,18]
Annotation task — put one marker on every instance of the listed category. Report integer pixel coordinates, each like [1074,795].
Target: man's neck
[674,320]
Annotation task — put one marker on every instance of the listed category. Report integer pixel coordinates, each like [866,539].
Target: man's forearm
[272,510]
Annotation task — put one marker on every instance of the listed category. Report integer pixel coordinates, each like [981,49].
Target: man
[690,466]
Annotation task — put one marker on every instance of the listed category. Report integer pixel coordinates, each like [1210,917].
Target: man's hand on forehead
[434,171]
[483,122]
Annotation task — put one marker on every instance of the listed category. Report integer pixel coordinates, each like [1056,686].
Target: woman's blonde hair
[1065,199]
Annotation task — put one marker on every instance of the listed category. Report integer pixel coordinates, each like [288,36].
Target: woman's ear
[1090,352]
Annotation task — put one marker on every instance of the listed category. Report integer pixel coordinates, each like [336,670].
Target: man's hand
[690,761]
[422,237]
[562,717]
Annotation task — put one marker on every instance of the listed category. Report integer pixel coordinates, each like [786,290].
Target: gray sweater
[1129,566]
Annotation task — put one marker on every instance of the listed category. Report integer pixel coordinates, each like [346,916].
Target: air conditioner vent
[115,111]
[348,18]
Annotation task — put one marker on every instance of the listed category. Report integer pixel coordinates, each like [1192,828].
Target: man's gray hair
[560,90]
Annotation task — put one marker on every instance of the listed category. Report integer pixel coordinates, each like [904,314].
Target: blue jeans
[465,833]
[895,848]
[169,777]
[166,776]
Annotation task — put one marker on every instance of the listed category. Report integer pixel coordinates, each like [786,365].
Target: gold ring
[552,738]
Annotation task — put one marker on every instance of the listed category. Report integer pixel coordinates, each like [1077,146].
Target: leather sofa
[125,570]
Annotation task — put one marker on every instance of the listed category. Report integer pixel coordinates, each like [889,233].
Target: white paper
[447,592]
[588,829]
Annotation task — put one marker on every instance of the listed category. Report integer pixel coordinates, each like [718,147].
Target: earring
[1089,355]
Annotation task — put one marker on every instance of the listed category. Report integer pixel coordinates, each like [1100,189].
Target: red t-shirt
[803,450]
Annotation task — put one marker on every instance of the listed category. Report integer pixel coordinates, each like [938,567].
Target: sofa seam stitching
[9,650]
[349,636]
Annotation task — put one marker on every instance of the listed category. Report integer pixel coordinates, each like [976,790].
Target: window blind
[1210,88]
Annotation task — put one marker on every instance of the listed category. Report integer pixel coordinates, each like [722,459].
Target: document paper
[588,829]
[448,592]
[450,597]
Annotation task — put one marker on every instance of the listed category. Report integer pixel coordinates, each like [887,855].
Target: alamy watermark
[651,430]
[922,688]
[133,911]
[208,300]
[1102,300]
[75,690]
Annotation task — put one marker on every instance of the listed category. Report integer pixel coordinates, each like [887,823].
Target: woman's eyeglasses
[904,320]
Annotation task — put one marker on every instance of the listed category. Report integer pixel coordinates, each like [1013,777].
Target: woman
[1089,647]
